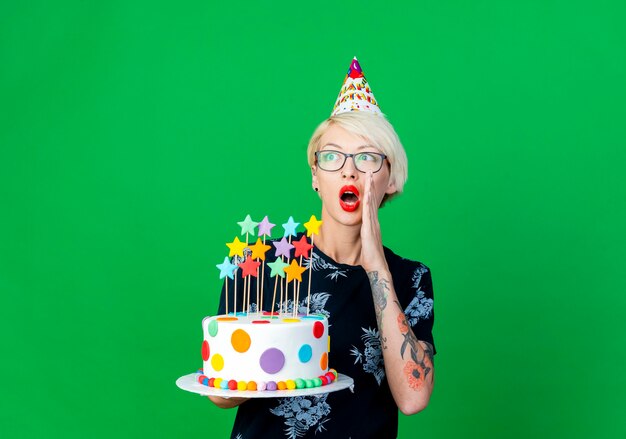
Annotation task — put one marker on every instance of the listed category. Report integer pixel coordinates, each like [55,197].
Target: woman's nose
[349,170]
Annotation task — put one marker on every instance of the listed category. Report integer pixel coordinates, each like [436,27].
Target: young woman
[379,305]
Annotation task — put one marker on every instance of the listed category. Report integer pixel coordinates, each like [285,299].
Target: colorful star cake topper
[247,225]
[282,247]
[290,227]
[236,248]
[285,269]
[294,271]
[249,267]
[302,247]
[278,267]
[265,227]
[312,226]
[259,249]
[355,94]
[226,268]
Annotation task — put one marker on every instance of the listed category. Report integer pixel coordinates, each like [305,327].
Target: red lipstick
[349,198]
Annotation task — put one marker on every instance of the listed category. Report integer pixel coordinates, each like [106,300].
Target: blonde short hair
[374,128]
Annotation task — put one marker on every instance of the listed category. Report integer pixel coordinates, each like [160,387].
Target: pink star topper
[283,248]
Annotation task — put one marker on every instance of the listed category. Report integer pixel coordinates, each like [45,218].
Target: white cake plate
[190,383]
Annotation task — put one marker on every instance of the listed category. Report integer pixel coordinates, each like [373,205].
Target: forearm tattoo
[418,354]
[380,292]
[419,366]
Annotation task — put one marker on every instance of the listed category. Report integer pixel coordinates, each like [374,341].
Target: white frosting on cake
[261,348]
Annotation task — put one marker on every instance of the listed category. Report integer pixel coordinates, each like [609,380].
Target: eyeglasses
[363,161]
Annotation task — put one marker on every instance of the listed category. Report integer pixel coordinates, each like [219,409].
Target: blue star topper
[226,268]
[290,227]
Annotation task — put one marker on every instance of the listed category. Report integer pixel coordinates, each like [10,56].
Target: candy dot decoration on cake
[217,362]
[318,329]
[324,361]
[240,340]
[272,361]
[249,348]
[313,317]
[205,350]
[305,353]
[213,328]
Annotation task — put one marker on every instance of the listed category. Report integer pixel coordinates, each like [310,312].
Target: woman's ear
[314,175]
[391,188]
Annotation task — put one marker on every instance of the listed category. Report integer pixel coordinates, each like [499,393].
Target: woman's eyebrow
[361,147]
[333,145]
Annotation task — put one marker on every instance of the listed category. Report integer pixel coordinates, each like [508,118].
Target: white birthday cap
[355,94]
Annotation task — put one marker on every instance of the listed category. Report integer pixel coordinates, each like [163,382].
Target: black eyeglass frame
[345,158]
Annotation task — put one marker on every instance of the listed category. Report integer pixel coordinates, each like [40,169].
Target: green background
[134,135]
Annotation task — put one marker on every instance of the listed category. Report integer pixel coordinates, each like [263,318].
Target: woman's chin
[353,218]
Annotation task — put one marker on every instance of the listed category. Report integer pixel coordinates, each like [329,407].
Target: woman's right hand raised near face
[372,253]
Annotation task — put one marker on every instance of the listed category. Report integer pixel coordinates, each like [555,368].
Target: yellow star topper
[294,271]
[236,247]
[259,249]
[312,226]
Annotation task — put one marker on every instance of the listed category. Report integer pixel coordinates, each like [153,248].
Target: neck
[340,242]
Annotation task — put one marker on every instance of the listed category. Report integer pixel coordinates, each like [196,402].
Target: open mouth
[349,198]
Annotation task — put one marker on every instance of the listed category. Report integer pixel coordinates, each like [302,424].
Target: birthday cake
[279,349]
[265,352]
